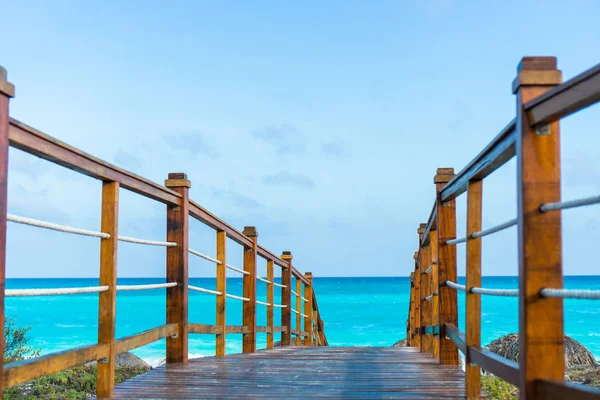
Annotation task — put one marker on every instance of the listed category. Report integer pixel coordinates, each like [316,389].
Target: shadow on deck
[301,373]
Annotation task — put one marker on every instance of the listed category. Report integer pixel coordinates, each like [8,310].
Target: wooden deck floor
[302,373]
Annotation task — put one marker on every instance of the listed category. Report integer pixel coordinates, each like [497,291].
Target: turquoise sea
[356,311]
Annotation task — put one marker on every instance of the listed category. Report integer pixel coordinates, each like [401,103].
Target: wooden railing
[533,138]
[309,327]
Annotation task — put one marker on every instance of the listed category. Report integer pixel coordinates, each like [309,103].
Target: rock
[400,343]
[576,354]
[585,375]
[130,360]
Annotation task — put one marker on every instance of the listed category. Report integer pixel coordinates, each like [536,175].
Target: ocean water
[356,311]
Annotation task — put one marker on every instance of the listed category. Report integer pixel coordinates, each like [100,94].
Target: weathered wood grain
[146,337]
[249,307]
[286,297]
[270,307]
[221,301]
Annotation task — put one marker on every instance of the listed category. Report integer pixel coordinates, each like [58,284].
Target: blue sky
[321,123]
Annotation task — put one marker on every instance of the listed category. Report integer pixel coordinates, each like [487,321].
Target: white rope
[561,205]
[456,241]
[496,292]
[202,290]
[145,287]
[268,282]
[495,229]
[428,270]
[263,303]
[55,227]
[147,242]
[304,299]
[304,315]
[294,293]
[197,253]
[571,293]
[456,286]
[294,311]
[279,305]
[279,285]
[231,296]
[54,291]
[430,296]
[241,271]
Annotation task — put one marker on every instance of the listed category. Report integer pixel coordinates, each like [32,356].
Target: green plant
[16,339]
[498,389]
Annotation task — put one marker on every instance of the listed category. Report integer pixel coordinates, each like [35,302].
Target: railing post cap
[177,179]
[250,231]
[422,227]
[6,88]
[416,255]
[537,71]
[286,255]
[443,175]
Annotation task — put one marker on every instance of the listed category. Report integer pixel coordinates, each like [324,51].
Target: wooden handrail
[180,208]
[533,138]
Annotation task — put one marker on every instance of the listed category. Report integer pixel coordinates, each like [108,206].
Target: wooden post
[411,312]
[177,269]
[308,294]
[221,318]
[105,377]
[540,255]
[473,262]
[448,298]
[299,311]
[249,307]
[286,298]
[417,294]
[270,307]
[435,290]
[322,332]
[7,91]
[425,306]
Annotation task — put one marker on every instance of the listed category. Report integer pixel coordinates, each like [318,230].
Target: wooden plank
[286,297]
[473,301]
[557,390]
[221,301]
[425,306]
[249,307]
[299,309]
[131,342]
[238,329]
[177,269]
[266,254]
[279,329]
[495,364]
[500,150]
[539,235]
[457,337]
[26,370]
[417,294]
[207,329]
[448,298]
[107,301]
[298,275]
[7,90]
[264,329]
[435,288]
[565,99]
[32,141]
[270,307]
[431,225]
[308,309]
[303,373]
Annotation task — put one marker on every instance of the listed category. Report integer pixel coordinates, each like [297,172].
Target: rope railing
[279,285]
[146,242]
[428,270]
[456,241]
[304,299]
[280,305]
[124,288]
[263,303]
[586,294]
[495,229]
[431,296]
[54,291]
[202,290]
[55,227]
[294,311]
[456,286]
[562,205]
[241,271]
[232,296]
[268,282]
[496,292]
[294,293]
[201,255]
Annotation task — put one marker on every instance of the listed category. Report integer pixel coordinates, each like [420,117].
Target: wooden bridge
[304,366]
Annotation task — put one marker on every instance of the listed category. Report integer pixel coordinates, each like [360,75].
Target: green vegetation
[498,389]
[71,384]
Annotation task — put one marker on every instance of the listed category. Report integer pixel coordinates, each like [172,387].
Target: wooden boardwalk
[303,373]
